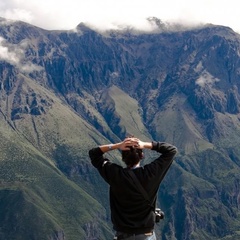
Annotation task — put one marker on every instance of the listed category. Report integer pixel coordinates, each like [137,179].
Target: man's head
[132,156]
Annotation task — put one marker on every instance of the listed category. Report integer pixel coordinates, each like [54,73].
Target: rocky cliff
[63,92]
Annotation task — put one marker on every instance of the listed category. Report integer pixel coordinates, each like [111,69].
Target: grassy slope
[60,138]
[129,112]
[37,184]
[31,177]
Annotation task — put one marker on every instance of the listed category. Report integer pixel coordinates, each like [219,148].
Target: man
[132,216]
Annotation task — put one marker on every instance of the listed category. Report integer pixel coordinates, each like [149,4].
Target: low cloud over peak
[108,14]
[15,55]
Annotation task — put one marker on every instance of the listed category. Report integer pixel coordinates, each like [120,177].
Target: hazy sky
[67,14]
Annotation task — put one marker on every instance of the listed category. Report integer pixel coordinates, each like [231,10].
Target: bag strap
[140,187]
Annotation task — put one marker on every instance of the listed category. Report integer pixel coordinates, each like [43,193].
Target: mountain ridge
[63,92]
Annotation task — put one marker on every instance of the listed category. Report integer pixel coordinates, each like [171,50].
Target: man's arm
[166,149]
[124,145]
[144,145]
[164,161]
[161,147]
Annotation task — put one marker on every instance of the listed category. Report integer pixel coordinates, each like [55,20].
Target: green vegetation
[34,193]
[94,89]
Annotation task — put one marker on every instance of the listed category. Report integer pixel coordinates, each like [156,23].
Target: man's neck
[136,166]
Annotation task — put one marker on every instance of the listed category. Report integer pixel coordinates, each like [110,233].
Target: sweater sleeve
[100,162]
[161,165]
[167,150]
[97,159]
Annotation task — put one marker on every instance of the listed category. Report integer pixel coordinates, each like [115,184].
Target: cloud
[105,14]
[18,14]
[206,79]
[15,55]
[7,55]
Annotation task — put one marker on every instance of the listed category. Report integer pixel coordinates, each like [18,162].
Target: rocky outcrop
[58,235]
[29,104]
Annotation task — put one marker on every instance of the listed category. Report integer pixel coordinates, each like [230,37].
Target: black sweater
[130,212]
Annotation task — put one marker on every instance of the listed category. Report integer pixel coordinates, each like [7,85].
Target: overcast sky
[67,14]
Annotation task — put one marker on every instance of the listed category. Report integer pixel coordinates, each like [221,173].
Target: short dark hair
[132,156]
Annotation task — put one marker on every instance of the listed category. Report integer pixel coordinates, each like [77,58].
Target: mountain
[64,92]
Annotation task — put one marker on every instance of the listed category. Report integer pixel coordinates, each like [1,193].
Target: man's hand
[140,144]
[129,142]
[143,145]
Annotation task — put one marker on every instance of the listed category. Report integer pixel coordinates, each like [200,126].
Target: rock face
[62,92]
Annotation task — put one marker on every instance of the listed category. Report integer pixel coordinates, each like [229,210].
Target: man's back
[130,211]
